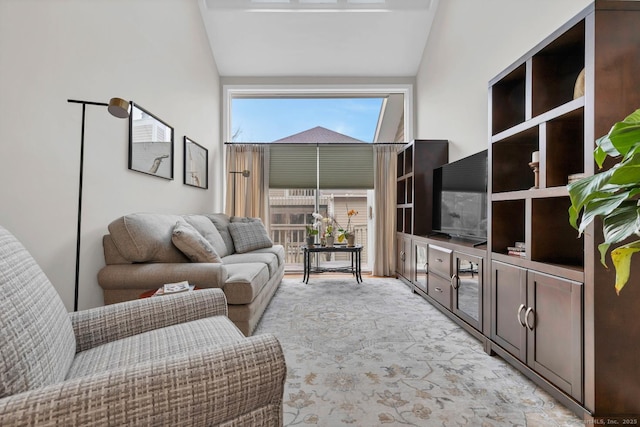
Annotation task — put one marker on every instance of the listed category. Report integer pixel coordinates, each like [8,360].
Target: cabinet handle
[519,315]
[438,289]
[439,260]
[454,281]
[526,318]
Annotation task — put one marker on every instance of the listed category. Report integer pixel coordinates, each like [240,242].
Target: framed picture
[150,144]
[196,164]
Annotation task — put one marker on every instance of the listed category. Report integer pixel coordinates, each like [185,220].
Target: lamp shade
[118,107]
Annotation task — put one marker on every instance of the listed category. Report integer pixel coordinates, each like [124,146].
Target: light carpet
[376,354]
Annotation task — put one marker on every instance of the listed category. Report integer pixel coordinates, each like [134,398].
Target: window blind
[342,166]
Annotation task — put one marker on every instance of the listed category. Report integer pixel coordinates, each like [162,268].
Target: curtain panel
[384,217]
[248,196]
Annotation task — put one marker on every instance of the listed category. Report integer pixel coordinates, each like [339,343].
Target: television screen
[460,198]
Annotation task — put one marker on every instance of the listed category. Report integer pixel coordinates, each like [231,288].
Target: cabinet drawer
[440,290]
[440,261]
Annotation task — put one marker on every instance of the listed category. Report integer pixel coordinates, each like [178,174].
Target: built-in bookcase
[555,101]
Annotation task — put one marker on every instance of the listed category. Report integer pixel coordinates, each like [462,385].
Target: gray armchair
[174,360]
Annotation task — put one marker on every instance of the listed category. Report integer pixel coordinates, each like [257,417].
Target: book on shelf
[520,254]
[515,249]
[174,288]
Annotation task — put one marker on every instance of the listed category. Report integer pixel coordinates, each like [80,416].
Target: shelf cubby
[400,220]
[401,191]
[555,69]
[408,160]
[400,164]
[508,224]
[510,161]
[409,195]
[554,240]
[408,223]
[564,148]
[508,102]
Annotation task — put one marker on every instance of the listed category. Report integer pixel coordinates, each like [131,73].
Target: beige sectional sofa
[144,251]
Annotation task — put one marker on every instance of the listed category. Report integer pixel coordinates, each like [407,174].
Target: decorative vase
[351,240]
[330,241]
[310,241]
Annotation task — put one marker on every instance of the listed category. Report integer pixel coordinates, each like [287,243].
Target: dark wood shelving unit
[550,307]
[416,162]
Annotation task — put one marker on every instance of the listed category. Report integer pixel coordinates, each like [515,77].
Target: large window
[321,159]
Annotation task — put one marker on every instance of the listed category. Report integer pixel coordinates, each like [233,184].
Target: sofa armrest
[242,381]
[154,275]
[100,325]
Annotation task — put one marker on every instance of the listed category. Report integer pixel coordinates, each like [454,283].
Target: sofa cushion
[37,343]
[249,236]
[146,237]
[193,244]
[271,260]
[245,281]
[208,231]
[221,222]
[277,250]
[210,332]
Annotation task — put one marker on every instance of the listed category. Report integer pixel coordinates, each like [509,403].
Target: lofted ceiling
[324,38]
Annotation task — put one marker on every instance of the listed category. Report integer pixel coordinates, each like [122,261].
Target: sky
[270,119]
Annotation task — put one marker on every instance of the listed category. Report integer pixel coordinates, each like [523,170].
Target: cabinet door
[400,255]
[403,256]
[467,288]
[554,323]
[508,306]
[420,266]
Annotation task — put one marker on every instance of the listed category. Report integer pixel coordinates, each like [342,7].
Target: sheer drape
[252,192]
[384,218]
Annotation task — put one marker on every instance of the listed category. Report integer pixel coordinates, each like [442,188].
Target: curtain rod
[316,143]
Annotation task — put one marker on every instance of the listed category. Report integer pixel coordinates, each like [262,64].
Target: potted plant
[347,233]
[314,229]
[613,196]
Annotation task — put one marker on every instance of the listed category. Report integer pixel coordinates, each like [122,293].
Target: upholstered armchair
[171,360]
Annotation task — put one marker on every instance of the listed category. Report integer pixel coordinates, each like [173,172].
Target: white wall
[469,44]
[154,52]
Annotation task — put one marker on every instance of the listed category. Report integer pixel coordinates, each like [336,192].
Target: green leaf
[603,248]
[586,189]
[623,223]
[626,134]
[621,257]
[627,173]
[603,207]
[604,148]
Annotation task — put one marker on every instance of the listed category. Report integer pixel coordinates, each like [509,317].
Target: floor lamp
[118,108]
[246,173]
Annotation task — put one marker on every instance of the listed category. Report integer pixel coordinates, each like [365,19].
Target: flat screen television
[460,198]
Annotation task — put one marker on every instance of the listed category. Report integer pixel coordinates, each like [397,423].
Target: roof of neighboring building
[318,134]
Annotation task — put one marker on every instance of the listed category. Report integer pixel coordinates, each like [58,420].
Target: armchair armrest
[243,381]
[100,325]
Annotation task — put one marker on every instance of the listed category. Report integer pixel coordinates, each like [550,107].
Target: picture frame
[196,164]
[150,144]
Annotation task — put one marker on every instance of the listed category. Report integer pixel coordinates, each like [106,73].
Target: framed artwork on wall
[150,144]
[196,164]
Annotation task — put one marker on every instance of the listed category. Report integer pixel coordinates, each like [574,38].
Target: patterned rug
[376,354]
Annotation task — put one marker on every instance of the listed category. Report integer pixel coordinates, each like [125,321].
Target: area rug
[376,354]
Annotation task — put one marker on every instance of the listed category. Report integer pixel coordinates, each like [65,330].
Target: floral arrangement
[343,233]
[329,226]
[314,228]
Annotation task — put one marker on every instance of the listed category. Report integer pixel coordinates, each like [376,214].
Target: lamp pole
[118,108]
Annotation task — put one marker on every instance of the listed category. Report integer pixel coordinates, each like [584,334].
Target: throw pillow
[191,243]
[221,222]
[208,231]
[249,236]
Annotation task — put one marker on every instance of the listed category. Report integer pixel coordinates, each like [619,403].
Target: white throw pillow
[191,243]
